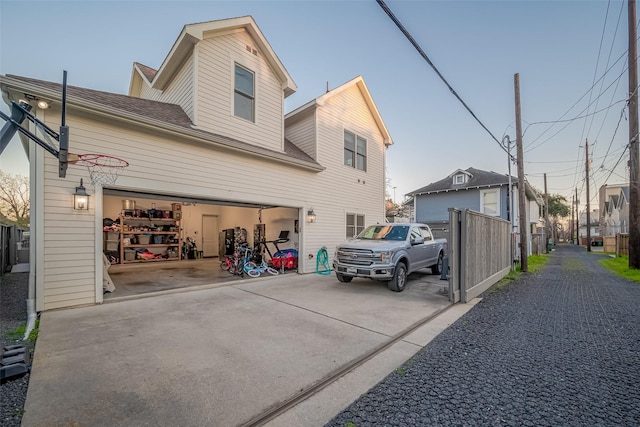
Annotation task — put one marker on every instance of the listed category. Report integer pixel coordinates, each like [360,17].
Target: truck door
[429,241]
[417,253]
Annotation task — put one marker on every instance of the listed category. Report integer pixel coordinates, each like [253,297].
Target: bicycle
[233,264]
[254,270]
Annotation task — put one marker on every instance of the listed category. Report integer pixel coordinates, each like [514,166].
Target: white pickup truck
[389,252]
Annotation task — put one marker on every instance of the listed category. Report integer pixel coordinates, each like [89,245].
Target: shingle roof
[478,178]
[170,113]
[148,72]
[158,111]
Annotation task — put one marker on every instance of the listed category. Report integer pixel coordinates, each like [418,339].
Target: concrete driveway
[222,355]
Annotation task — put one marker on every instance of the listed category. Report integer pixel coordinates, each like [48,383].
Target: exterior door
[210,235]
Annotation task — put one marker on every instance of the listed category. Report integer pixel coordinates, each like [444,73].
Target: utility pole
[586,177]
[573,205]
[546,212]
[577,218]
[522,207]
[634,170]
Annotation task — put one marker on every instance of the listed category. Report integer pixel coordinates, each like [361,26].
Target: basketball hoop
[103,169]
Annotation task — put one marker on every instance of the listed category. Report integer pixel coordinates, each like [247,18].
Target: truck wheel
[399,278]
[437,267]
[342,278]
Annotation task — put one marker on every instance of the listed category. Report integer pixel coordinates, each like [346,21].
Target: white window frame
[458,179]
[495,191]
[355,153]
[237,92]
[355,228]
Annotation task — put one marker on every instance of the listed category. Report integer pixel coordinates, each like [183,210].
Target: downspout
[32,315]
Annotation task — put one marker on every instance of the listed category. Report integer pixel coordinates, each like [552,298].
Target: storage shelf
[138,245]
[135,218]
[138,222]
[150,232]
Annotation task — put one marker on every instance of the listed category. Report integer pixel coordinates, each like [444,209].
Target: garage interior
[156,242]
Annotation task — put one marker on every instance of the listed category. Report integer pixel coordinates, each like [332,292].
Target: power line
[426,58]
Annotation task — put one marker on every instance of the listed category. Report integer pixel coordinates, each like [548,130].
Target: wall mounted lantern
[311,215]
[81,198]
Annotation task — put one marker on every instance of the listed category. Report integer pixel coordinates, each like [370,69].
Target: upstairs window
[355,151]
[459,179]
[244,94]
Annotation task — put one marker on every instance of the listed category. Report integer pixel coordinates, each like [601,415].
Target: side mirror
[417,241]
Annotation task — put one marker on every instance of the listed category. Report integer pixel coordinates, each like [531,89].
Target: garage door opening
[155,243]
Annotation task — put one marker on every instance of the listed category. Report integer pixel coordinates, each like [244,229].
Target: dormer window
[459,179]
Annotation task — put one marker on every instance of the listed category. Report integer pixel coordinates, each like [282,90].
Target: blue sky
[559,48]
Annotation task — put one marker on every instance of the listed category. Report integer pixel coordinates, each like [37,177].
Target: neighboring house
[614,209]
[594,228]
[205,131]
[475,189]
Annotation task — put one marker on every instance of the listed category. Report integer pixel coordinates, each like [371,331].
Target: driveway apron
[216,356]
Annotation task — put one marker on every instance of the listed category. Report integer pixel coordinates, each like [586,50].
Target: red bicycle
[234,264]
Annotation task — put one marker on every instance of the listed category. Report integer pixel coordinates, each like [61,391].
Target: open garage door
[186,239]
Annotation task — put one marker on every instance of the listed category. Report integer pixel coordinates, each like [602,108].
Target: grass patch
[18,333]
[535,263]
[620,266]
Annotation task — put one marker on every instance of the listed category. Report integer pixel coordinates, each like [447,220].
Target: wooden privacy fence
[538,244]
[479,253]
[618,244]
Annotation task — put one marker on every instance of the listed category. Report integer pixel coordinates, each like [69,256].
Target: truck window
[385,232]
[426,233]
[415,232]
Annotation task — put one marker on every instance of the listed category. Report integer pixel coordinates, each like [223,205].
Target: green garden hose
[322,262]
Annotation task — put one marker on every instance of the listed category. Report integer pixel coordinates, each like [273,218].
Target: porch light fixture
[43,105]
[81,198]
[311,216]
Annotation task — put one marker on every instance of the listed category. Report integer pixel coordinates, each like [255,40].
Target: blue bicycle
[254,269]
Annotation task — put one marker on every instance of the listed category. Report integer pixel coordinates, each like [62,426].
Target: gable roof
[368,99]
[624,194]
[191,34]
[148,72]
[147,114]
[477,179]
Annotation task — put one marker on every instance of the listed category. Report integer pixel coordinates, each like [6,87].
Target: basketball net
[103,169]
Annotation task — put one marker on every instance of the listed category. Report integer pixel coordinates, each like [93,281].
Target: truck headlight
[385,256]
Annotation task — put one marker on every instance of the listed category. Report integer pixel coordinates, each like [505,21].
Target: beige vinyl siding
[342,189]
[215,75]
[179,91]
[179,167]
[303,134]
[68,263]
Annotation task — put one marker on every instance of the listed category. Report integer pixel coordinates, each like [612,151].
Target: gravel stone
[556,347]
[14,289]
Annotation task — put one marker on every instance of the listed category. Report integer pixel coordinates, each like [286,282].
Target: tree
[558,207]
[14,198]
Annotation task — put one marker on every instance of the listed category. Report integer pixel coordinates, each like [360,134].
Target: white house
[204,135]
